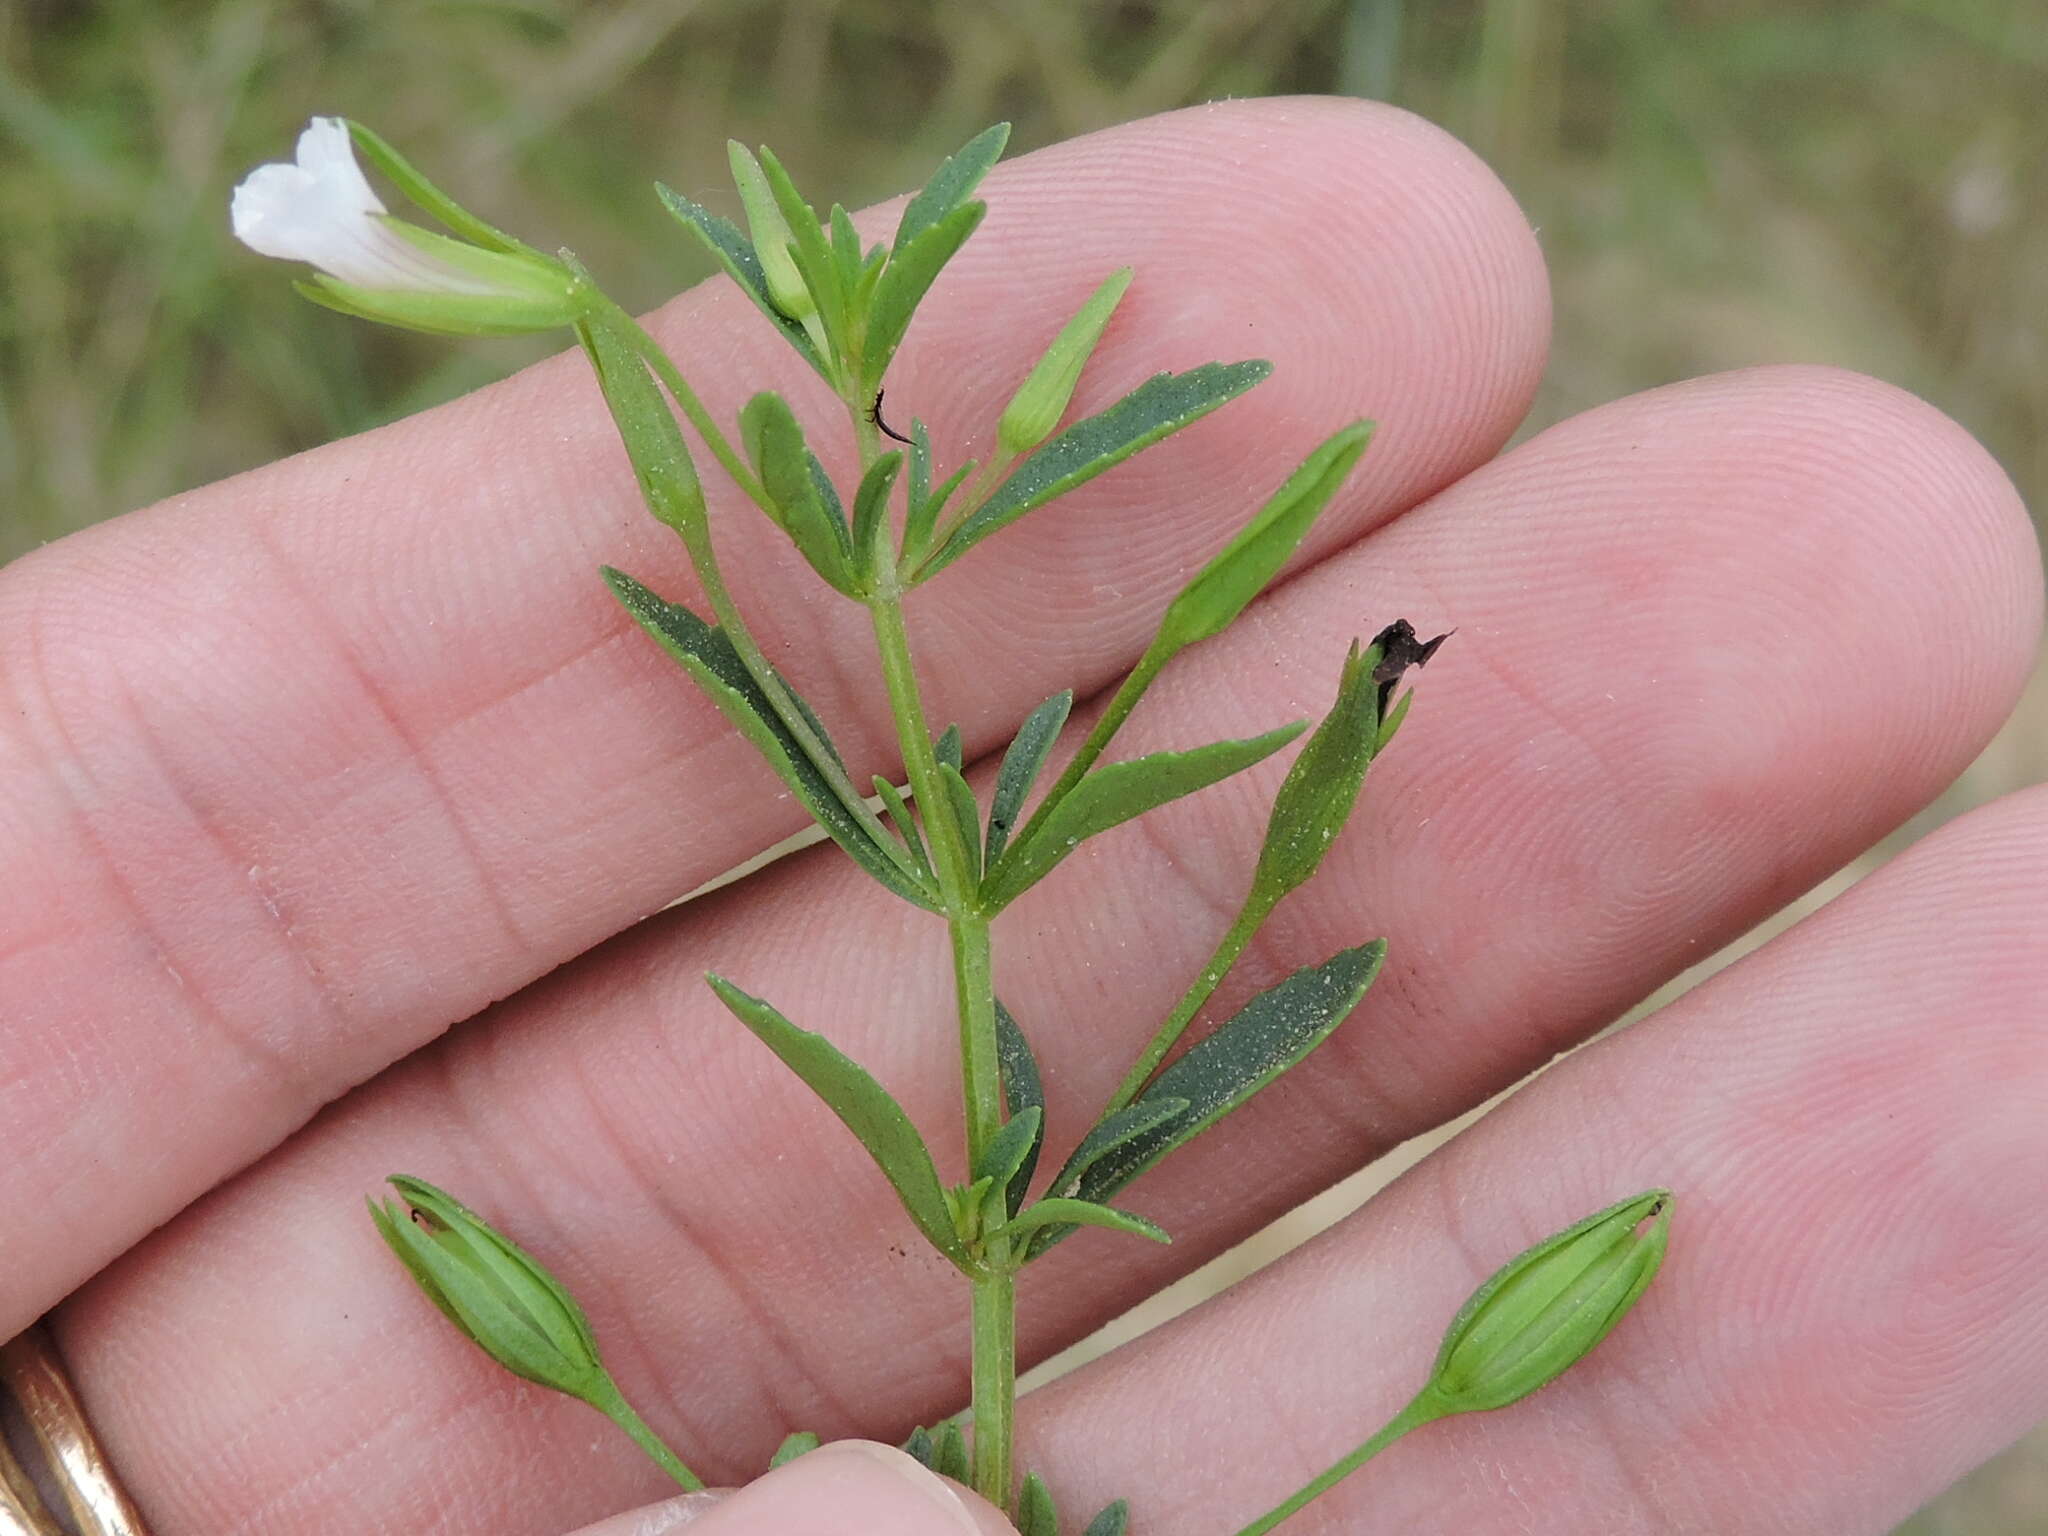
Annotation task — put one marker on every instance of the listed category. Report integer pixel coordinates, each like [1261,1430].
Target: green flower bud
[771,235]
[1321,787]
[1042,399]
[1546,1310]
[514,1310]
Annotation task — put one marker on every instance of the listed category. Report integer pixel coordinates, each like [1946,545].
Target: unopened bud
[514,1310]
[1546,1310]
[1042,399]
[770,231]
[1321,787]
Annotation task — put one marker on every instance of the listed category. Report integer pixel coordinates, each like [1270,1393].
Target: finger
[850,1488]
[658,1519]
[1661,718]
[1853,1310]
[298,770]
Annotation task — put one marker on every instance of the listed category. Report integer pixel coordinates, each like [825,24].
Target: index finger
[298,770]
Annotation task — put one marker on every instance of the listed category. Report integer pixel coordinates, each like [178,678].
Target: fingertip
[1376,257]
[1948,502]
[848,1488]
[658,1519]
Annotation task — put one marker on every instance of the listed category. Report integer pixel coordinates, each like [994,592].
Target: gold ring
[59,1458]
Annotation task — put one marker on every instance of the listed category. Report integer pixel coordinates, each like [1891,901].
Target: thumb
[848,1488]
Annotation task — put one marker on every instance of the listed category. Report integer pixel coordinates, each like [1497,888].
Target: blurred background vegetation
[1717,183]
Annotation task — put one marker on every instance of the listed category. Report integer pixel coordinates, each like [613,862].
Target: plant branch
[1411,1417]
[614,1406]
[1250,918]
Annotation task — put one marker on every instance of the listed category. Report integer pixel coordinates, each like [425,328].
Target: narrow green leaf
[1254,557]
[966,815]
[1393,721]
[809,248]
[828,494]
[1112,795]
[922,1448]
[947,748]
[810,718]
[863,1107]
[1004,1157]
[905,281]
[429,198]
[1104,1137]
[922,527]
[952,183]
[1268,1035]
[799,1444]
[1023,1091]
[920,469]
[1113,1131]
[1022,764]
[796,484]
[870,279]
[906,826]
[1113,1521]
[1159,407]
[845,248]
[1042,399]
[871,516]
[949,1458]
[1065,1212]
[1037,1515]
[710,659]
[736,254]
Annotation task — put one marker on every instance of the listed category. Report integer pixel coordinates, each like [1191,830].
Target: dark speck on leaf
[1400,650]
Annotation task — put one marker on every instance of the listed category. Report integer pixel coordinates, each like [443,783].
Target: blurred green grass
[1716,182]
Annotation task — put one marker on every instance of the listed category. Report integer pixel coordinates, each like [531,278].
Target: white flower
[322,212]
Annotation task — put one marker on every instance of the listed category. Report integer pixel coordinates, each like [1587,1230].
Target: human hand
[848,1486]
[299,770]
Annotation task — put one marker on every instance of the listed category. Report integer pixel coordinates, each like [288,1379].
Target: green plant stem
[1412,1417]
[613,1405]
[995,1381]
[1250,918]
[994,1305]
[975,989]
[981,1072]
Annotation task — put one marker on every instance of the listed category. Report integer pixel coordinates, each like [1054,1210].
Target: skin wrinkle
[270,1062]
[767,1324]
[485,880]
[201,1011]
